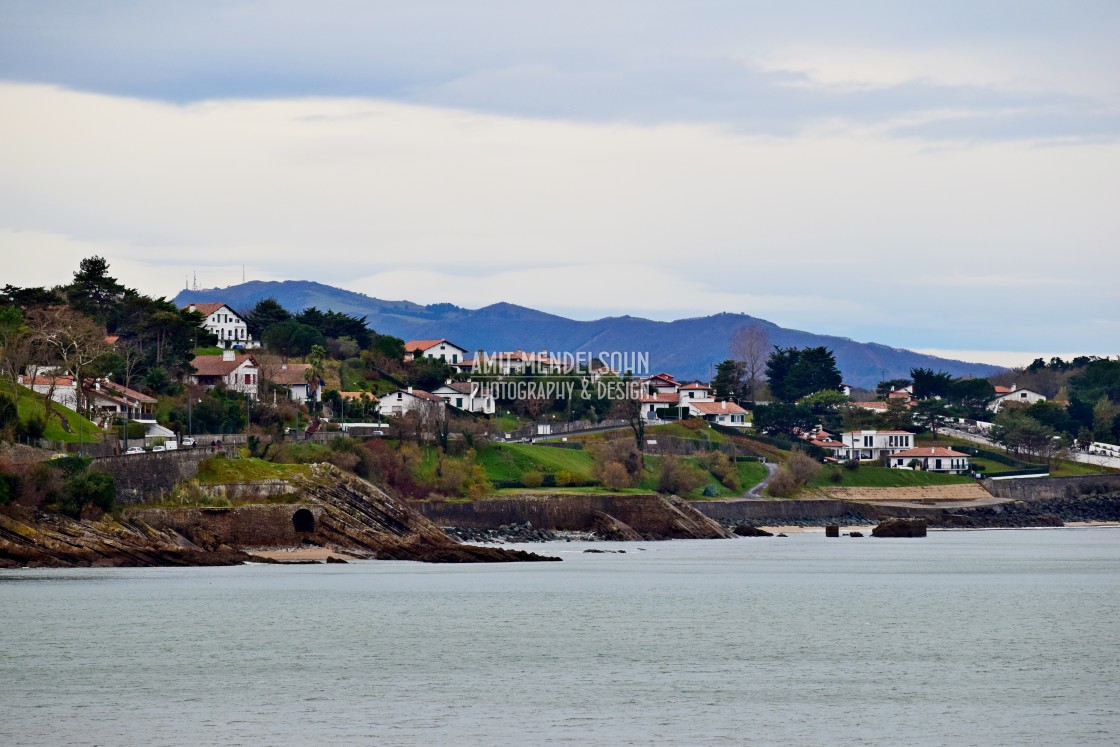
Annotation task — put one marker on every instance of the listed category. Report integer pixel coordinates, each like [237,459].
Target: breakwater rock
[900,528]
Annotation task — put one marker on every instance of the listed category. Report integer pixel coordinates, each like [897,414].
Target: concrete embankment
[649,516]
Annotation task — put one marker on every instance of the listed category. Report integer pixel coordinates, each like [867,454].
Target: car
[159,448]
[187,443]
[135,450]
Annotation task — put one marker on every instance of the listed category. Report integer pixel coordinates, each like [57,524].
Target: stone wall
[142,477]
[1049,488]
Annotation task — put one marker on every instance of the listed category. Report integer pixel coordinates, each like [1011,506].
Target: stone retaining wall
[1049,488]
[142,477]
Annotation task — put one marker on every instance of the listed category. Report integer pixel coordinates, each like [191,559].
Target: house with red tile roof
[238,372]
[441,349]
[1004,395]
[403,401]
[293,377]
[931,459]
[226,324]
[721,413]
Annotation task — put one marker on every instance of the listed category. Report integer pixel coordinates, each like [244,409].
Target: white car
[188,443]
[159,448]
[134,450]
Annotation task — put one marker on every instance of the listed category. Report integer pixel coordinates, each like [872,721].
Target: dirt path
[756,491]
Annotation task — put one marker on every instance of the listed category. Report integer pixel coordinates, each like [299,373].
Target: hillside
[686,347]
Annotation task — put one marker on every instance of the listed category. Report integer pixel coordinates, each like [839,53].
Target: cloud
[985,246]
[1032,71]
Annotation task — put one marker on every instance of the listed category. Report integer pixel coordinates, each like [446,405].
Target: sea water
[961,638]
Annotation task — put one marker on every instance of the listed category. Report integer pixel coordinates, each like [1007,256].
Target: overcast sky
[938,176]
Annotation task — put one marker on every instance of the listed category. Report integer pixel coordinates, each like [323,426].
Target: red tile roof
[696,385]
[717,408]
[293,375]
[419,346]
[216,365]
[206,309]
[928,451]
[871,405]
[668,398]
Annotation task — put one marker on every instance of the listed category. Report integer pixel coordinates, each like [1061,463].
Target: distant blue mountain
[688,348]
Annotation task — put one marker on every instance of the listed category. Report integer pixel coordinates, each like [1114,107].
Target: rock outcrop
[900,528]
[339,511]
[650,516]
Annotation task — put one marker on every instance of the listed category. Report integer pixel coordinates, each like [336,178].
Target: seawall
[1050,488]
[141,477]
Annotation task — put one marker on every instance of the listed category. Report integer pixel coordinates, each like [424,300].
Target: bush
[35,427]
[614,476]
[720,465]
[795,472]
[835,475]
[710,491]
[851,465]
[9,486]
[564,478]
[532,478]
[87,489]
[677,477]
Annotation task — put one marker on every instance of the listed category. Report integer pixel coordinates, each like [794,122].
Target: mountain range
[687,348]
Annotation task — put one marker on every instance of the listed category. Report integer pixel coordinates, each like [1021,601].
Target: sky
[942,176]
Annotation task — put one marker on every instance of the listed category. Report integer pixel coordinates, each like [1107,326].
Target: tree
[74,340]
[267,312]
[15,342]
[93,290]
[291,339]
[629,408]
[1021,433]
[928,383]
[729,383]
[1104,417]
[932,414]
[750,346]
[826,400]
[796,373]
[972,393]
[780,417]
[886,387]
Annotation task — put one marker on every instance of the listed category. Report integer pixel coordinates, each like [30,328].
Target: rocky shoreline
[1055,512]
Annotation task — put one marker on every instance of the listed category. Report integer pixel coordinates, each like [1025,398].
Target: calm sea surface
[962,638]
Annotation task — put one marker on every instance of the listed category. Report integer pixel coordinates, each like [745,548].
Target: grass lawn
[210,350]
[885,477]
[509,461]
[29,405]
[217,470]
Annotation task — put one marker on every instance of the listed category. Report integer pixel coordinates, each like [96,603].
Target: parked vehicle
[134,450]
[159,448]
[187,443]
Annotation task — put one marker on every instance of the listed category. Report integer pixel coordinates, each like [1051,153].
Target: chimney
[724,405]
[228,355]
[1014,387]
[283,366]
[410,390]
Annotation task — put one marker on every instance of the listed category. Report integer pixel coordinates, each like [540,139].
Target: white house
[293,376]
[240,373]
[62,389]
[443,350]
[864,445]
[722,413]
[695,392]
[1025,397]
[467,395]
[227,324]
[931,459]
[401,402]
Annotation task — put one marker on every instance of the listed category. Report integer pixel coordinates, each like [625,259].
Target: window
[937,464]
[459,402]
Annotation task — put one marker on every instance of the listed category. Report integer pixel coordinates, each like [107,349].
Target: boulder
[900,528]
[744,530]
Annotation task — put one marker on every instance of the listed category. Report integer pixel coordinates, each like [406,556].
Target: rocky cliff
[336,510]
[614,516]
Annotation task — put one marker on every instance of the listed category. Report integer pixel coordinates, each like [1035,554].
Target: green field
[29,405]
[884,477]
[219,470]
[507,462]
